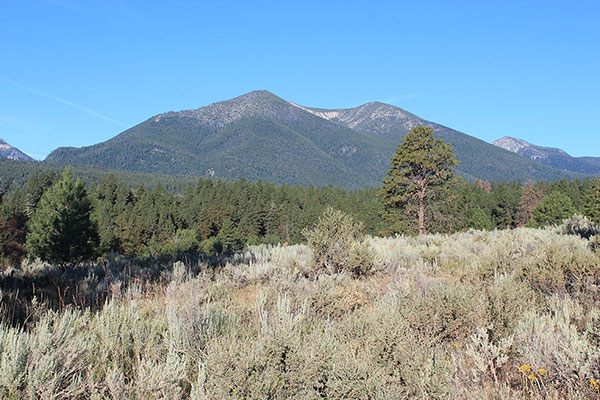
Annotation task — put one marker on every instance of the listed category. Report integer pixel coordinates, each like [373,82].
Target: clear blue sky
[74,73]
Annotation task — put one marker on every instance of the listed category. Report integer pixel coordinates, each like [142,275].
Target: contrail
[61,100]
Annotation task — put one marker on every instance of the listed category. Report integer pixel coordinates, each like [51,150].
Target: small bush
[508,299]
[557,341]
[595,243]
[482,358]
[337,244]
[579,225]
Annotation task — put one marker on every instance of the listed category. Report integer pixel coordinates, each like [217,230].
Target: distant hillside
[261,136]
[12,153]
[553,157]
[592,160]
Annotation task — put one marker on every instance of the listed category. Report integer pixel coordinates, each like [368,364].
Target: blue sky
[74,73]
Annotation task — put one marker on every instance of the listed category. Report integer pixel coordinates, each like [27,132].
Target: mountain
[12,153]
[261,136]
[255,136]
[551,156]
[479,159]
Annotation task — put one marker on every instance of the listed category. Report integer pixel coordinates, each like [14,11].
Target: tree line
[59,219]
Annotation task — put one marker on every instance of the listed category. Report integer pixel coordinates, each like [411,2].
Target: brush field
[500,315]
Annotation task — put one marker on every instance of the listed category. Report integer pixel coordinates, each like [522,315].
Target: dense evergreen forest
[19,173]
[213,217]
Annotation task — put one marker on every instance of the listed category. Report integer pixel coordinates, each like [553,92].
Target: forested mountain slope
[261,136]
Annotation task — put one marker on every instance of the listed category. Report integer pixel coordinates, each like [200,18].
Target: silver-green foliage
[338,244]
[440,317]
[579,225]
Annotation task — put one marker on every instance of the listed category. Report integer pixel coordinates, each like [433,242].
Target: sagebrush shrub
[508,298]
[338,244]
[558,342]
[483,359]
[60,356]
[15,352]
[579,225]
[595,243]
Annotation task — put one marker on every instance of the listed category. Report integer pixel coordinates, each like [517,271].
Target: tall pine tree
[421,170]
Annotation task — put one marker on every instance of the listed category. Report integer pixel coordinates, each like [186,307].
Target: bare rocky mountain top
[12,153]
[511,144]
[373,117]
[259,103]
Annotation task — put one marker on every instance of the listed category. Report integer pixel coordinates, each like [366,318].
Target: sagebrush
[502,314]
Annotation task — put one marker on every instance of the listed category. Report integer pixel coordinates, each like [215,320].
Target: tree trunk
[422,212]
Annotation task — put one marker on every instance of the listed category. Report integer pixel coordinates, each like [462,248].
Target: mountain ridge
[551,156]
[259,135]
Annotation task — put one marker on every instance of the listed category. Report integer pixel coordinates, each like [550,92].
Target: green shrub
[338,244]
[184,241]
[212,246]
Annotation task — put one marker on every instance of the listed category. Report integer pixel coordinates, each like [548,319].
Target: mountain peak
[511,144]
[10,152]
[259,92]
[375,117]
[217,115]
[257,95]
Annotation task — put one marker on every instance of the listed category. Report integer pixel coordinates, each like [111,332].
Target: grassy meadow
[490,315]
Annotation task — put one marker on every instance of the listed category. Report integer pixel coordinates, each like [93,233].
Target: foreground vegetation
[507,314]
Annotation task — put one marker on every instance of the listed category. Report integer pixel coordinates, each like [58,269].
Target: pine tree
[529,200]
[555,207]
[36,186]
[61,230]
[480,220]
[11,230]
[421,170]
[229,236]
[591,206]
[111,200]
[505,210]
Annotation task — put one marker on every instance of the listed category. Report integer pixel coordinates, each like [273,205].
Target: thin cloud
[64,101]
